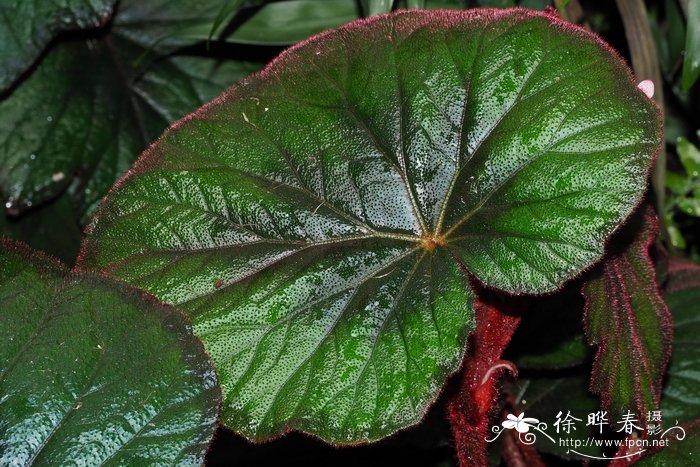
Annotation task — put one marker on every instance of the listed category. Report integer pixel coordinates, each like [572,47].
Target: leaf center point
[430,242]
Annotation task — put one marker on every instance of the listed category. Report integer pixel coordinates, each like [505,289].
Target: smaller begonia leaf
[93,372]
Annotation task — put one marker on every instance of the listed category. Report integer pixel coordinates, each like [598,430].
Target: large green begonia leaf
[91,106]
[94,373]
[27,26]
[317,220]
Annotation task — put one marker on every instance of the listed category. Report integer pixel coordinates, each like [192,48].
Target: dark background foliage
[171,75]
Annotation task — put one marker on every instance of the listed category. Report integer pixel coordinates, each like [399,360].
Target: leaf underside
[93,373]
[317,220]
[628,319]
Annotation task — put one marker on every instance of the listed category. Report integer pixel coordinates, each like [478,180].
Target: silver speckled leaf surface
[317,220]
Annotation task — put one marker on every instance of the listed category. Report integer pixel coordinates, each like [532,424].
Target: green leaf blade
[689,155]
[390,357]
[681,397]
[165,25]
[542,399]
[547,121]
[333,182]
[677,451]
[291,21]
[124,104]
[377,7]
[92,372]
[52,228]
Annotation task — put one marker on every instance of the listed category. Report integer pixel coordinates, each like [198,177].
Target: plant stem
[469,409]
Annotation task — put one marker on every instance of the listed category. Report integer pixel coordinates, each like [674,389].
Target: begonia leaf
[52,228]
[319,220]
[627,318]
[94,373]
[681,397]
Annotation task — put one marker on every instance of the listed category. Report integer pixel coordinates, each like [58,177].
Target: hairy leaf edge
[653,228]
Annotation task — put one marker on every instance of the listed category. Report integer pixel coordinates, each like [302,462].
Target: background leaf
[543,396]
[86,112]
[416,3]
[165,25]
[52,228]
[691,63]
[317,221]
[678,452]
[287,22]
[27,26]
[431,4]
[681,398]
[92,372]
[629,321]
[551,333]
[689,156]
[495,3]
[376,7]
